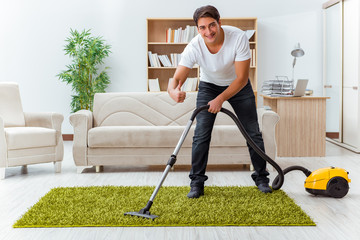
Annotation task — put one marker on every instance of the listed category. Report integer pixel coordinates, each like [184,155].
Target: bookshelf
[157,32]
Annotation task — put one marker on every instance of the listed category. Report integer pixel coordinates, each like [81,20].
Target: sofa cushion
[30,137]
[156,136]
[10,105]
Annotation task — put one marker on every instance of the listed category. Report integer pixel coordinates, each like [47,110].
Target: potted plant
[87,54]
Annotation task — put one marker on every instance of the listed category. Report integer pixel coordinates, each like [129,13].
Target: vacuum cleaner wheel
[337,187]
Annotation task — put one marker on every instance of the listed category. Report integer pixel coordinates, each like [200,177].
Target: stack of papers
[281,85]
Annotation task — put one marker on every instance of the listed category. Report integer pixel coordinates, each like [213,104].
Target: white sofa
[140,129]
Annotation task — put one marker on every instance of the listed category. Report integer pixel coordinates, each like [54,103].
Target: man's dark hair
[206,11]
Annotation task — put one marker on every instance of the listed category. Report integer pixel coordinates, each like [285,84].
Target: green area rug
[220,206]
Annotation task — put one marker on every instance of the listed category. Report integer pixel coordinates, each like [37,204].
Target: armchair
[27,138]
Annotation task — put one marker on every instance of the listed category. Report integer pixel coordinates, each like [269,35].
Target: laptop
[299,89]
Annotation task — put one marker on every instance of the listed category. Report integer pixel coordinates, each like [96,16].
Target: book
[172,59]
[181,35]
[172,35]
[169,64]
[151,59]
[154,85]
[156,60]
[168,35]
[189,85]
[187,33]
[195,83]
[253,56]
[175,59]
[162,60]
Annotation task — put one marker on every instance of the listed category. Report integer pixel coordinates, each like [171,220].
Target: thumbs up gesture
[178,95]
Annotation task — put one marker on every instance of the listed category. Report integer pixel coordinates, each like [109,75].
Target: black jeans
[244,106]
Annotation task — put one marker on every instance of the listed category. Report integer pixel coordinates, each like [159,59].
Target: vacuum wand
[145,212]
[172,159]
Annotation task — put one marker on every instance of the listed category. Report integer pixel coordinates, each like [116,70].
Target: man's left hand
[215,105]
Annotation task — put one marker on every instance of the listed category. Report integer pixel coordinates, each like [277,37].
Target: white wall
[32,35]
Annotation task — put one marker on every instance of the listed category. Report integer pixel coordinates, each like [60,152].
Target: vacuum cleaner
[332,182]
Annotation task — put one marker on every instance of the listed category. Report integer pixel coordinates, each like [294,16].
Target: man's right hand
[178,95]
[174,87]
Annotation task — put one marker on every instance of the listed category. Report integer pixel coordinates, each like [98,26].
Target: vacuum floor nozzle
[144,215]
[145,212]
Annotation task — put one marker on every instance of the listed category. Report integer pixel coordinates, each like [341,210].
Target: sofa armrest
[48,120]
[3,145]
[267,124]
[44,119]
[82,121]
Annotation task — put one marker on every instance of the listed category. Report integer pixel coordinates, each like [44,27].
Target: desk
[301,131]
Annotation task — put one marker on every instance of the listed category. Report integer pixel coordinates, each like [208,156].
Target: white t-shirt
[217,68]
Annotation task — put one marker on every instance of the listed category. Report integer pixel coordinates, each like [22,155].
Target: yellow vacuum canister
[330,181]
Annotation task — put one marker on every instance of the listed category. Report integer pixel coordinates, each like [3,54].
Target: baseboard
[332,135]
[68,137]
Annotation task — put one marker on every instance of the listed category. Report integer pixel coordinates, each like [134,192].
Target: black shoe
[196,192]
[264,187]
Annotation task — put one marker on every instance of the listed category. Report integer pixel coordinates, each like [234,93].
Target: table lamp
[296,52]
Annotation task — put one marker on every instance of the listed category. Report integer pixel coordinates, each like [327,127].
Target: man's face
[209,29]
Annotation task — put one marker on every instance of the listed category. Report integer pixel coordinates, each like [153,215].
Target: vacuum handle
[280,178]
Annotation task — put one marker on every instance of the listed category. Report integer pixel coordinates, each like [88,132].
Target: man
[223,54]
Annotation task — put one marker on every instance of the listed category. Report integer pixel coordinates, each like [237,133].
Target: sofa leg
[57,166]
[2,173]
[99,169]
[80,169]
[252,167]
[24,169]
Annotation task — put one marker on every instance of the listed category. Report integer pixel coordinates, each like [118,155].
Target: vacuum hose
[307,172]
[280,178]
